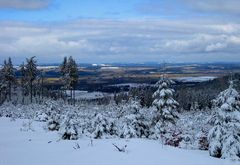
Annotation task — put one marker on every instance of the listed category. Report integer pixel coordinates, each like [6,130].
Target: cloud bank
[121,41]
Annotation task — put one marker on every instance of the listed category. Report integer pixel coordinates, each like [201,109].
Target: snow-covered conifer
[102,126]
[166,106]
[131,107]
[202,141]
[134,106]
[54,120]
[224,137]
[134,126]
[186,142]
[68,128]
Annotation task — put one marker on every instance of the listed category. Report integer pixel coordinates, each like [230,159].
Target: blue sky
[99,31]
[58,10]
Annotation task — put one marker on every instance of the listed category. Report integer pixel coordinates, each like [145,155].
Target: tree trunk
[71,96]
[31,90]
[65,95]
[74,96]
[9,90]
[42,88]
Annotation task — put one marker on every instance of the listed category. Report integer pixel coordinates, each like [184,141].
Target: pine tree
[23,81]
[63,67]
[102,126]
[8,76]
[224,137]
[165,104]
[54,117]
[134,126]
[2,88]
[134,106]
[4,81]
[69,72]
[64,74]
[73,76]
[68,128]
[31,73]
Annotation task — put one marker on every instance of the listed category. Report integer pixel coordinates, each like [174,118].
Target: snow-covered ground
[20,145]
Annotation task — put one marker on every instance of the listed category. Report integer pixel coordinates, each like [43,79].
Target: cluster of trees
[223,140]
[196,96]
[69,73]
[224,137]
[142,93]
[9,81]
[7,76]
[29,83]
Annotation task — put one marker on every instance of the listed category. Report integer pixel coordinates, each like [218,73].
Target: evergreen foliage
[224,137]
[166,106]
[8,76]
[69,72]
[69,128]
[31,74]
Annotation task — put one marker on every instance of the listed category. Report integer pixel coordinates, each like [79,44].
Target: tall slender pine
[8,76]
[73,76]
[31,73]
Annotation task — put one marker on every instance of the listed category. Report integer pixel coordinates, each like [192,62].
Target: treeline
[28,86]
[190,97]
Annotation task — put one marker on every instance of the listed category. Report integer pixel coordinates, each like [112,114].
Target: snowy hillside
[39,126]
[19,145]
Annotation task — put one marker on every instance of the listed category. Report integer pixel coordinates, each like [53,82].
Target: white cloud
[227,28]
[205,43]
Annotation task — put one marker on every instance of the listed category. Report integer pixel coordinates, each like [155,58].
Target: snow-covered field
[20,145]
[196,79]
